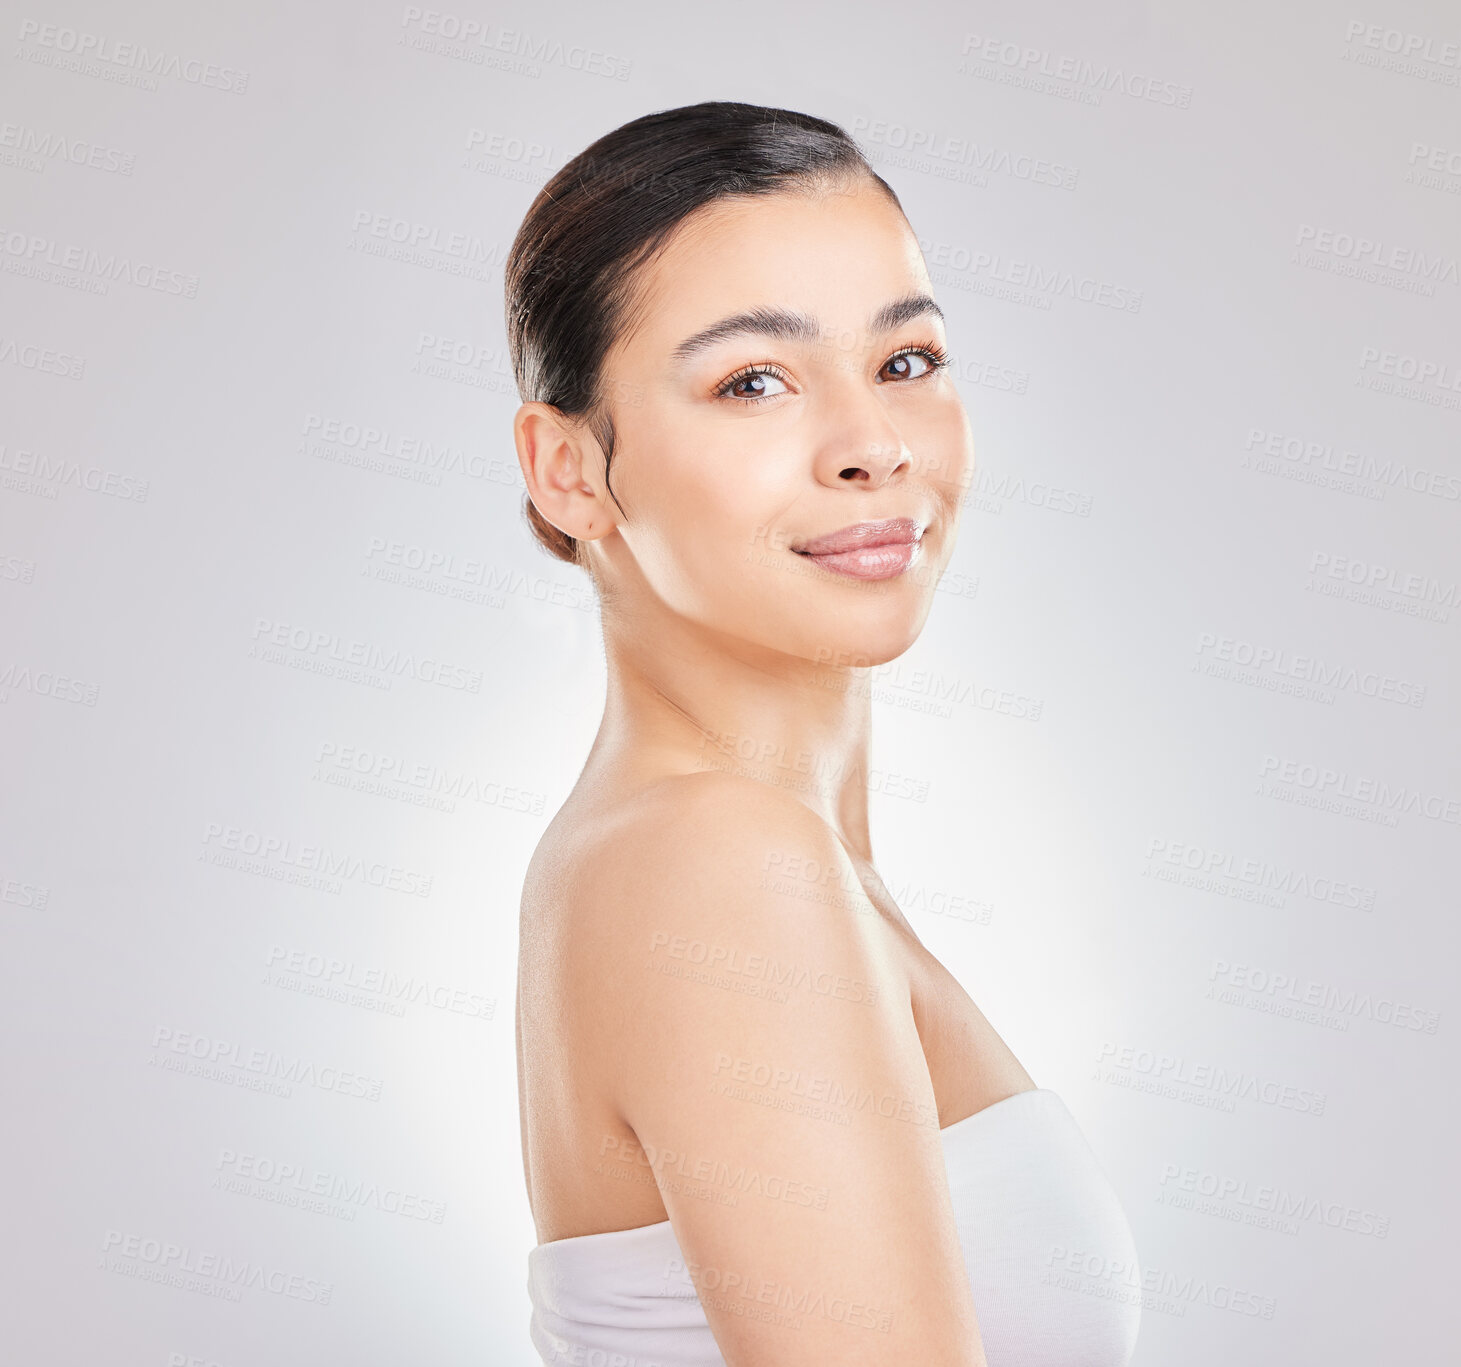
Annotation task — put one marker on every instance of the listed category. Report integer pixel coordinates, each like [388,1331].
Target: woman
[761,1124]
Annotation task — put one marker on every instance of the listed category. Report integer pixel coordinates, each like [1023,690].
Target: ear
[559,460]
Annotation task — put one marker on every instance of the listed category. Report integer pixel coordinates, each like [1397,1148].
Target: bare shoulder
[700,866]
[760,1047]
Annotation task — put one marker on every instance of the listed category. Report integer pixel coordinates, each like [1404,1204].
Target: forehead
[837,255]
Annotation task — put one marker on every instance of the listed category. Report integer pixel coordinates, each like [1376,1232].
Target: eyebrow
[790,326]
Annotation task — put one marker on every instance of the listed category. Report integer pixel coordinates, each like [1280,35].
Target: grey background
[1177,752]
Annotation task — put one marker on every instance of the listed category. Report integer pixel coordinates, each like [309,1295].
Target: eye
[752,384]
[757,383]
[905,363]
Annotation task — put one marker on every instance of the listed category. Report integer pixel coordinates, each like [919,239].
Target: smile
[866,550]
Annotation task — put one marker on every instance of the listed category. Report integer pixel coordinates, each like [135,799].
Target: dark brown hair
[571,269]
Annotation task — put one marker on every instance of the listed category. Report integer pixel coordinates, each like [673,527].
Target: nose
[861,442]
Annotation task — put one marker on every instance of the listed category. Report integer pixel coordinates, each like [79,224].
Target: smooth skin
[723,1019]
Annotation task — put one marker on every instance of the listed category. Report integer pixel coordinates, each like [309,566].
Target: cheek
[722,492]
[707,510]
[943,448]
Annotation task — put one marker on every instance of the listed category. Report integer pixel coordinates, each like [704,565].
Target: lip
[866,550]
[886,531]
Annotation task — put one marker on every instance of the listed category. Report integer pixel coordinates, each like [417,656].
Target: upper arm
[767,1060]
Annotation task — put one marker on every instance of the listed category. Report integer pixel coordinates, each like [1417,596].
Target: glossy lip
[863,536]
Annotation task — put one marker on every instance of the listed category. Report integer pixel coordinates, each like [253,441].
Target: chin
[875,641]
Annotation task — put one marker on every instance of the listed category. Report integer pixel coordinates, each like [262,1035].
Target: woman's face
[735,450]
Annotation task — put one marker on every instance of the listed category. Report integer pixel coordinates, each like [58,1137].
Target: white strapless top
[1047,1247]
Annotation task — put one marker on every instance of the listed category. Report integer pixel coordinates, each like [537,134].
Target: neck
[682,699]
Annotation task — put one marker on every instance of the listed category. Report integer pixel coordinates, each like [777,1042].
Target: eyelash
[938,358]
